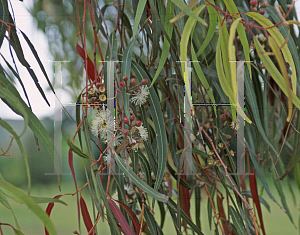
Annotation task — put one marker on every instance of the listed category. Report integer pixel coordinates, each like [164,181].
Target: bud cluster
[257,5]
[132,84]
[96,95]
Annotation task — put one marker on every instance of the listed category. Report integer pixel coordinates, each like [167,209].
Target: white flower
[234,126]
[140,97]
[143,132]
[103,123]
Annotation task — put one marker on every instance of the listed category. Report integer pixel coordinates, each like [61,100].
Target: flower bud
[125,132]
[210,161]
[228,137]
[144,82]
[92,92]
[122,84]
[101,89]
[138,123]
[125,78]
[132,81]
[262,12]
[223,117]
[131,117]
[125,120]
[102,98]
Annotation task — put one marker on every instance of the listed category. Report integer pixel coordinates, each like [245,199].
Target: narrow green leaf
[4,201]
[126,23]
[166,45]
[126,65]
[14,102]
[172,205]
[211,28]
[284,73]
[239,225]
[6,126]
[75,149]
[19,196]
[153,226]
[34,52]
[156,31]
[222,78]
[198,206]
[195,151]
[285,33]
[241,31]
[231,55]
[202,78]
[223,41]
[188,11]
[17,76]
[146,166]
[275,33]
[247,193]
[23,61]
[189,26]
[283,200]
[158,119]
[141,184]
[138,15]
[99,21]
[47,200]
[297,174]
[162,214]
[4,17]
[175,176]
[209,205]
[274,71]
[259,173]
[190,5]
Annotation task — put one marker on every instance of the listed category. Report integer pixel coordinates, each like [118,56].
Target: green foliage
[139,152]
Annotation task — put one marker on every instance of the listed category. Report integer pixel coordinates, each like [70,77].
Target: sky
[27,24]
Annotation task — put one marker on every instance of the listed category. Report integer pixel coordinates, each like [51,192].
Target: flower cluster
[138,92]
[103,123]
[141,96]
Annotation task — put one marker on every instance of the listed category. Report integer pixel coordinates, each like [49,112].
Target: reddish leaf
[132,216]
[222,215]
[86,216]
[70,160]
[184,198]
[253,188]
[243,184]
[49,209]
[90,65]
[120,217]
